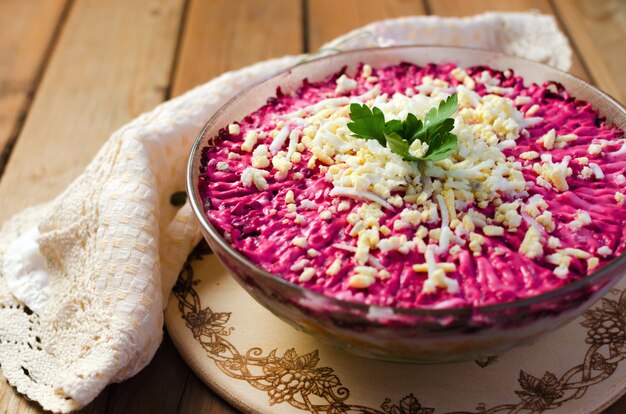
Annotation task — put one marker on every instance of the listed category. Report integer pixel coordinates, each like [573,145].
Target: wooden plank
[248,31]
[598,30]
[222,35]
[470,7]
[201,60]
[327,20]
[113,61]
[27,33]
[199,399]
[331,18]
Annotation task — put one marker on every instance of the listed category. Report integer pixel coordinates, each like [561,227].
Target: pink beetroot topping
[283,211]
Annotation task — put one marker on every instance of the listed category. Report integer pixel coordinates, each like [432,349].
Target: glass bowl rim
[201,215]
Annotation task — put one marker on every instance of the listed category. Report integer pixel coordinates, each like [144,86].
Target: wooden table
[71,72]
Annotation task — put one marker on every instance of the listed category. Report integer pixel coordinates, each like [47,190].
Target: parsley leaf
[401,147]
[367,124]
[412,126]
[399,135]
[446,144]
[446,109]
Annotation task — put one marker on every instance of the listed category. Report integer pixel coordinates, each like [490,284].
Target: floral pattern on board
[299,380]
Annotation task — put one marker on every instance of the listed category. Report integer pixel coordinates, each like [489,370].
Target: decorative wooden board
[260,364]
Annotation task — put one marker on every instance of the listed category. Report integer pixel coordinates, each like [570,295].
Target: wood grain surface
[90,87]
[71,72]
[469,7]
[249,31]
[598,29]
[328,19]
[28,31]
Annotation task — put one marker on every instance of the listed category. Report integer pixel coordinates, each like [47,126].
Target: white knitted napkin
[84,278]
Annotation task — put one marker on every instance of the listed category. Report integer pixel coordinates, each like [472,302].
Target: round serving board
[261,364]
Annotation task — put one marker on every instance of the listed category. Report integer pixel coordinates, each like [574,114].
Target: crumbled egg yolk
[477,173]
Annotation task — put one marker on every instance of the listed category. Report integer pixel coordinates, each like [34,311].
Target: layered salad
[421,187]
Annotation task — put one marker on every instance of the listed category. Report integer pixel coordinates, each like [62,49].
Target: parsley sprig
[399,135]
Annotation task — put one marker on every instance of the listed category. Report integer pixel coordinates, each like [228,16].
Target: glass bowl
[409,335]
